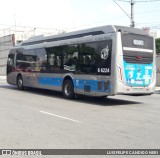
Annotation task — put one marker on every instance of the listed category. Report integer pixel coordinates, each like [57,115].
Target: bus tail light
[120,76]
[128,89]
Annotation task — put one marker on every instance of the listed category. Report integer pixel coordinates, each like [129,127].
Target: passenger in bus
[72,61]
[87,60]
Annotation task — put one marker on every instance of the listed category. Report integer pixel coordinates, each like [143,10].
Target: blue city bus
[99,62]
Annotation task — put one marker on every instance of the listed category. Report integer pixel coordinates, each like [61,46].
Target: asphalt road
[44,119]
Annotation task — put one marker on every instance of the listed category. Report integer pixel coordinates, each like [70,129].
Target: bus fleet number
[103,70]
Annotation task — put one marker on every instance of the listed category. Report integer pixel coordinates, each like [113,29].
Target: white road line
[60,116]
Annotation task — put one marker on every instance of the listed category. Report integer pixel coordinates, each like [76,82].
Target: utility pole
[132,13]
[131,17]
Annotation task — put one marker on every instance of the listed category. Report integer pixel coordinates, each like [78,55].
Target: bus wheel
[20,83]
[68,89]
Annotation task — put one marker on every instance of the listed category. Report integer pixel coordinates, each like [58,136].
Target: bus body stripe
[138,49]
[78,84]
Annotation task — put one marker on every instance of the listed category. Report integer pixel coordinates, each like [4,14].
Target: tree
[158,45]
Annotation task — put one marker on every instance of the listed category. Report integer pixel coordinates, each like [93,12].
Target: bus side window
[20,59]
[55,59]
[10,61]
[70,62]
[41,60]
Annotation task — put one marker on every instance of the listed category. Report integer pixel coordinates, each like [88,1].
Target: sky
[69,15]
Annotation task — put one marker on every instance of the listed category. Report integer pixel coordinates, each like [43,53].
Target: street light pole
[132,13]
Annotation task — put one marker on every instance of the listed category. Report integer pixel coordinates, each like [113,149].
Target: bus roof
[82,33]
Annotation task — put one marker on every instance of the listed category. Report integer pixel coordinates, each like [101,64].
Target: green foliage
[158,45]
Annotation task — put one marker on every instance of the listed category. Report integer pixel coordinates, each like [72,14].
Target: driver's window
[10,59]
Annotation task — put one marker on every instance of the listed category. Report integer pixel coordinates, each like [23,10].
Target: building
[158,70]
[153,33]
[11,36]
[6,43]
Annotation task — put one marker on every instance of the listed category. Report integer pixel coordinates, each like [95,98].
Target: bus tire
[20,82]
[68,89]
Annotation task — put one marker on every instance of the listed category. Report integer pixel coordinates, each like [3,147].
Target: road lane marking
[62,117]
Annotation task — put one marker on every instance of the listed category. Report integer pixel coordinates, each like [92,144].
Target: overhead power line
[12,26]
[132,3]
[149,1]
[122,9]
[139,1]
[132,11]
